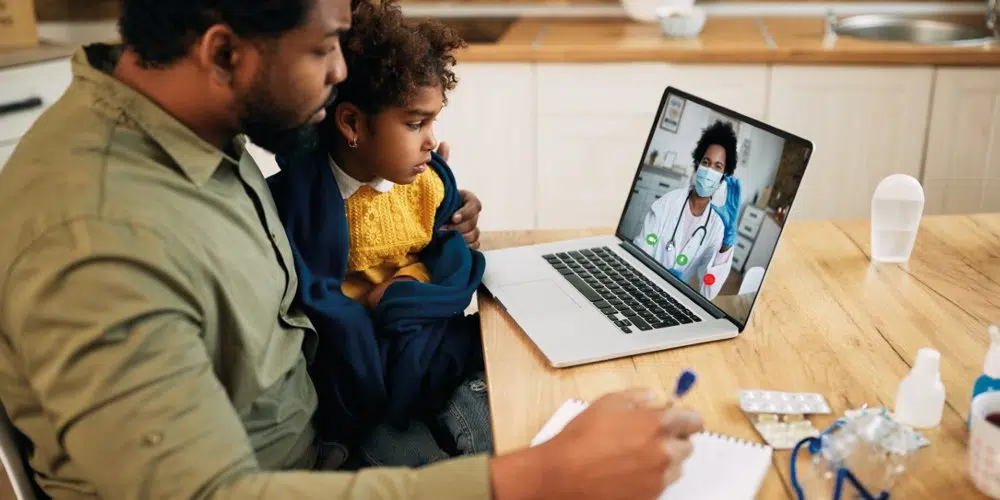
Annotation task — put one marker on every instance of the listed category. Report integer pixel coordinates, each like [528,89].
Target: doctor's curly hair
[389,58]
[721,134]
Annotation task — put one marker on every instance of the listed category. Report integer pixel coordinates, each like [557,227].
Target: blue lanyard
[814,445]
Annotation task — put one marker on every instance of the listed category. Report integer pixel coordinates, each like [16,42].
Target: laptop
[667,278]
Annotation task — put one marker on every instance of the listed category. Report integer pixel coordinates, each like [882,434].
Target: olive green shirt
[149,345]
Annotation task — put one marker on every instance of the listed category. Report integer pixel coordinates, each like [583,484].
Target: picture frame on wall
[671,120]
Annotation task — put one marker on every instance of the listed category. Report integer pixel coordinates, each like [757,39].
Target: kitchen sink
[476,29]
[905,29]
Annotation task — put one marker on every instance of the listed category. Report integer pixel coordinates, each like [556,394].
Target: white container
[897,206]
[920,397]
[643,11]
[681,21]
[984,444]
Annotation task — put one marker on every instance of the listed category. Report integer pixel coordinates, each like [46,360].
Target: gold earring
[353,143]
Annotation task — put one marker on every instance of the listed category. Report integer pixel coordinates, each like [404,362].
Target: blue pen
[684,383]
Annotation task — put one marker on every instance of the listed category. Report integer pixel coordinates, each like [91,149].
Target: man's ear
[219,50]
[350,121]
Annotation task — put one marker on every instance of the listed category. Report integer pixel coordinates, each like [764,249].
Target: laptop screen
[711,197]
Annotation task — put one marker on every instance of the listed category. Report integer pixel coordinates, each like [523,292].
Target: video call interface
[711,197]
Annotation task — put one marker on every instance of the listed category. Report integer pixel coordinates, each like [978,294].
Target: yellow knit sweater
[387,230]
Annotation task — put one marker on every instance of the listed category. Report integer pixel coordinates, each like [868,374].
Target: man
[149,344]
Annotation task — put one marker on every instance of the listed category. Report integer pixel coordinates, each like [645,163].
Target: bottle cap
[928,362]
[991,367]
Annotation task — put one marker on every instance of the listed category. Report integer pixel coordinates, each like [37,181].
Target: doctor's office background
[768,167]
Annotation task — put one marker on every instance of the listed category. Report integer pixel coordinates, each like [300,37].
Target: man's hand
[466,219]
[622,447]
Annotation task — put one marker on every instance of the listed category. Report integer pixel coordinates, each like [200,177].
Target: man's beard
[275,135]
[263,125]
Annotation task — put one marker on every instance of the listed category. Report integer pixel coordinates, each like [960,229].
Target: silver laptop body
[569,296]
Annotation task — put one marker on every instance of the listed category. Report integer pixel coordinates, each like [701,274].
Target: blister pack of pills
[782,432]
[783,403]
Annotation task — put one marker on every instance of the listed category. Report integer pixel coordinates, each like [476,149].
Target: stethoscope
[682,259]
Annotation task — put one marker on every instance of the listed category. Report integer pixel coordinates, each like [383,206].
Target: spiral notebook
[744,464]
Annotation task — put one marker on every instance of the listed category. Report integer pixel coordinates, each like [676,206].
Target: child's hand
[375,296]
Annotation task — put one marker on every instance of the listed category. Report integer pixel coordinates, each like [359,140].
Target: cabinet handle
[11,107]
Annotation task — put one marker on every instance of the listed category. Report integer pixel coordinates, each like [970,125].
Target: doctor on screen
[688,234]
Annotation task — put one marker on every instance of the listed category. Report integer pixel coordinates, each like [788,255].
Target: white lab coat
[703,257]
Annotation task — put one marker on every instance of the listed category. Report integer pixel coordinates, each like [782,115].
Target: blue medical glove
[730,210]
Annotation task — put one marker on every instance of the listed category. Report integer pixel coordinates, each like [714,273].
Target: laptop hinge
[678,284]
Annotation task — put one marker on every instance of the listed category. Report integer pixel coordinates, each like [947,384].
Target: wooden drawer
[751,221]
[741,250]
[26,91]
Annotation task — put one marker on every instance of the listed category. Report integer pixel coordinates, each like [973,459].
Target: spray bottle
[989,381]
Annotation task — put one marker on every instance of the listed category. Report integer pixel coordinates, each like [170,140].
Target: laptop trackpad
[537,297]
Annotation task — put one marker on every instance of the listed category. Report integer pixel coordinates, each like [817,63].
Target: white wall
[761,165]
[694,119]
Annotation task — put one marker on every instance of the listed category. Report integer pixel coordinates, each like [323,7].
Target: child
[384,287]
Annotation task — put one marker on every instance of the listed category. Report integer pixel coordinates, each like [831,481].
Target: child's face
[400,139]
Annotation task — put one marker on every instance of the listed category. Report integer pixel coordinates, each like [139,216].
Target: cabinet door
[865,123]
[6,149]
[741,88]
[593,122]
[962,166]
[489,123]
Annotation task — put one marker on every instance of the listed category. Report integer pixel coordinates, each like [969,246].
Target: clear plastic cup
[897,207]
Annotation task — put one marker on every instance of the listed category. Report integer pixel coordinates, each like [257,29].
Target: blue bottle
[990,379]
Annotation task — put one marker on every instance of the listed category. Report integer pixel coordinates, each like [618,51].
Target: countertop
[44,51]
[723,40]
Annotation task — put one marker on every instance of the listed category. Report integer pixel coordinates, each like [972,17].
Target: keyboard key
[600,304]
[626,329]
[623,322]
[583,288]
[551,258]
[642,325]
[565,272]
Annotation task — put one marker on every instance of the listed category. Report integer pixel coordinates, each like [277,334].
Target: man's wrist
[521,475]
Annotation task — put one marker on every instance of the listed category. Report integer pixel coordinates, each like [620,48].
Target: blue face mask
[706,181]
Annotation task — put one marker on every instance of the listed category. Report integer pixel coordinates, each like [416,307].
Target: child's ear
[349,120]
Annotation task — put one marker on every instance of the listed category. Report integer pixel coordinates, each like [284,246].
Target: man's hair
[389,59]
[721,134]
[162,31]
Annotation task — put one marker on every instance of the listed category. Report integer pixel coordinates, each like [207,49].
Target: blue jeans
[461,428]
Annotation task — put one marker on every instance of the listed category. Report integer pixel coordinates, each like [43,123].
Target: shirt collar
[349,185]
[93,64]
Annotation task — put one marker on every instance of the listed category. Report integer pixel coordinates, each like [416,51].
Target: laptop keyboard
[627,298]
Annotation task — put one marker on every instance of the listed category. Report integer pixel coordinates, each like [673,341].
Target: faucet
[993,17]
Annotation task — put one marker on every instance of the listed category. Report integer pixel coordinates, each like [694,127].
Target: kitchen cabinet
[489,122]
[962,166]
[6,149]
[866,123]
[651,184]
[594,119]
[26,91]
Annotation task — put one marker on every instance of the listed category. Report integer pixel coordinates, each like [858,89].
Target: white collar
[349,185]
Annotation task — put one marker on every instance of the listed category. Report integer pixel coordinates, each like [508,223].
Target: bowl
[681,22]
[643,11]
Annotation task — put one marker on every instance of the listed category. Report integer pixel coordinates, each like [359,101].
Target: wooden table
[828,321]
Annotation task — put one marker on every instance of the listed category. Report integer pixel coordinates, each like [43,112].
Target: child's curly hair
[389,58]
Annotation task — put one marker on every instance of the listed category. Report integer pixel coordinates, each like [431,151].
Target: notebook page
[742,463]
